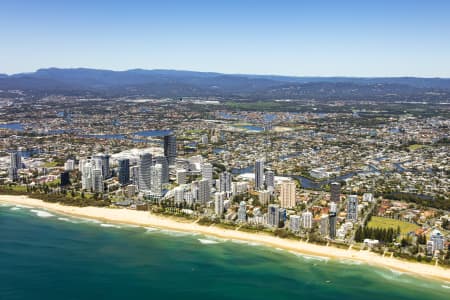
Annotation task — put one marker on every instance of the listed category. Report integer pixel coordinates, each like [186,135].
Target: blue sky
[306,38]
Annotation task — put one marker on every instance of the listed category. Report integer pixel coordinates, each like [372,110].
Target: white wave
[42,214]
[319,258]
[23,206]
[245,242]
[15,208]
[110,225]
[349,262]
[90,220]
[207,242]
[177,233]
[68,220]
[151,229]
[445,286]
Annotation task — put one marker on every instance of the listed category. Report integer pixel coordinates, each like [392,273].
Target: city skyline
[289,38]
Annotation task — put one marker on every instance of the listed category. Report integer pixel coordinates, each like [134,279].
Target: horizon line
[225,73]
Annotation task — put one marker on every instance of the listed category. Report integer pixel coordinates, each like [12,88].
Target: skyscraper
[332,223]
[15,164]
[218,203]
[225,182]
[270,180]
[134,175]
[64,178]
[164,168]
[207,173]
[181,176]
[124,171]
[259,175]
[287,194]
[294,223]
[106,172]
[86,168]
[242,212]
[156,179]
[145,163]
[273,215]
[352,208]
[324,225]
[97,181]
[170,148]
[15,160]
[335,192]
[204,191]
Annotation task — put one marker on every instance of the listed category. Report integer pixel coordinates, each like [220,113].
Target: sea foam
[207,242]
[42,214]
[110,225]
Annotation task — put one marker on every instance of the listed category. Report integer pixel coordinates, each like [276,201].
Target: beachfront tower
[259,175]
[170,148]
[335,192]
[145,164]
[124,171]
[352,208]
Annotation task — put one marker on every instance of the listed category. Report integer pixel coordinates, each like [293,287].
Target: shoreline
[145,219]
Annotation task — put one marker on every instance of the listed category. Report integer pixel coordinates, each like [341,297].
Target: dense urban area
[363,174]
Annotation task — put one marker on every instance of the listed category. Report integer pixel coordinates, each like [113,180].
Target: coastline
[143,218]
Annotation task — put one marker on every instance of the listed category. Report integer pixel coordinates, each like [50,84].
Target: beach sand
[142,218]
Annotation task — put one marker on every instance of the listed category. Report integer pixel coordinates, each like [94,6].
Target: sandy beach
[142,218]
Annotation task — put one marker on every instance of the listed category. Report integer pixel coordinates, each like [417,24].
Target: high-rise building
[15,160]
[225,182]
[332,222]
[335,192]
[204,191]
[324,225]
[164,168]
[13,174]
[287,194]
[264,197]
[64,178]
[207,173]
[145,164]
[352,208]
[170,148]
[104,158]
[15,164]
[294,223]
[86,168]
[273,215]
[259,175]
[134,175]
[219,198]
[307,220]
[270,180]
[156,179]
[181,176]
[124,171]
[97,181]
[438,240]
[242,212]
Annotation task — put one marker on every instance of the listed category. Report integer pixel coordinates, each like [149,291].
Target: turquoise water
[48,256]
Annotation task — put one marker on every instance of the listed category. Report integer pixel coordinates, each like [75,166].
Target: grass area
[415,147]
[379,222]
[50,164]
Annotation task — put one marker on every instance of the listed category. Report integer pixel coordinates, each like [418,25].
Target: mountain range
[175,83]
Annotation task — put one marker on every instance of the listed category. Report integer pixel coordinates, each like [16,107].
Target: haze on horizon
[299,38]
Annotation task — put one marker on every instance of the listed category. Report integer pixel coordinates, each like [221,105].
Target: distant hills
[174,83]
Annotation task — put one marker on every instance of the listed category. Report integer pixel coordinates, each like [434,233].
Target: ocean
[48,256]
